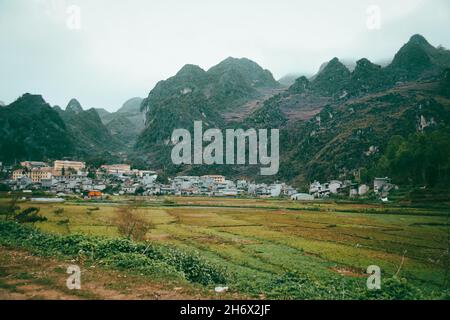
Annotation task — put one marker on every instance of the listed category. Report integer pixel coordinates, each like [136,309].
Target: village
[68,178]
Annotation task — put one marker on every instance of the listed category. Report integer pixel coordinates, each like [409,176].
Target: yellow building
[59,165]
[19,173]
[36,174]
[39,174]
[215,178]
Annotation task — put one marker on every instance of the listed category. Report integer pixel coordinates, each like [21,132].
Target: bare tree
[130,225]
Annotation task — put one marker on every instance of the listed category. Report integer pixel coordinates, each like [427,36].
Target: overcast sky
[125,47]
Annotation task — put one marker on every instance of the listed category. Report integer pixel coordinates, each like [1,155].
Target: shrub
[4,187]
[118,253]
[58,211]
[143,264]
[396,289]
[30,215]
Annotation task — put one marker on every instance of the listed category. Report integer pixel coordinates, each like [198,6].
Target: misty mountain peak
[30,100]
[190,69]
[412,59]
[420,40]
[301,85]
[74,106]
[246,69]
[365,65]
[335,64]
[132,105]
[332,78]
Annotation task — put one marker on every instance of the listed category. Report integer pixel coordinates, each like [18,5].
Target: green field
[283,249]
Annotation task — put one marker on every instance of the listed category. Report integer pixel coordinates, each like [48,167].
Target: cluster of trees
[12,211]
[421,159]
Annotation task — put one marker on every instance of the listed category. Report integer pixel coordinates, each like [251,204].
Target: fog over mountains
[334,124]
[123,50]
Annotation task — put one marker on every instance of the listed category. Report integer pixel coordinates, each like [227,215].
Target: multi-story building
[64,166]
[39,174]
[117,169]
[36,174]
[33,164]
[19,173]
[215,178]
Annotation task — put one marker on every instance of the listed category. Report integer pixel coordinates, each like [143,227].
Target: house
[48,183]
[302,197]
[275,190]
[149,179]
[145,173]
[242,184]
[95,194]
[335,186]
[215,178]
[230,192]
[129,189]
[24,182]
[100,186]
[381,184]
[33,164]
[319,190]
[117,169]
[363,189]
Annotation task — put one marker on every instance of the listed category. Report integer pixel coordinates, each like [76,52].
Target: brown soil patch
[348,273]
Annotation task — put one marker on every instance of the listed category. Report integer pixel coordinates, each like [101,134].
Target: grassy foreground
[272,249]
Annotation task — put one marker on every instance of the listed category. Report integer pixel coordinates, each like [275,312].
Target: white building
[381,184]
[319,190]
[335,186]
[275,190]
[302,197]
[363,189]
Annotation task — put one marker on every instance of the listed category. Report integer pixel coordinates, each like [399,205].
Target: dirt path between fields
[24,276]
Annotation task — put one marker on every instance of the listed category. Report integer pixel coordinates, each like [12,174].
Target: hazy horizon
[123,49]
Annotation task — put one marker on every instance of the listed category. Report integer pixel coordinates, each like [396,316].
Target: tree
[92,174]
[130,225]
[162,178]
[9,210]
[140,191]
[422,159]
[30,215]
